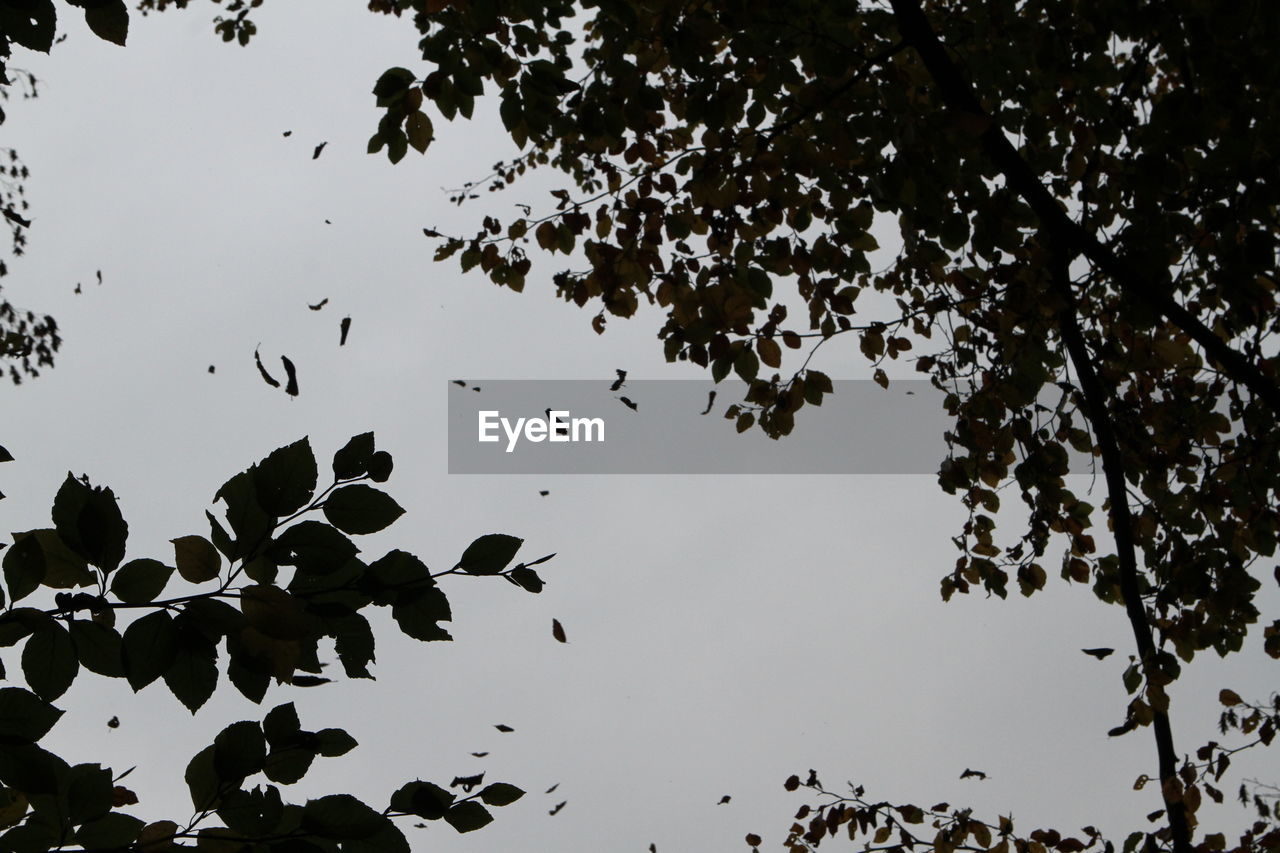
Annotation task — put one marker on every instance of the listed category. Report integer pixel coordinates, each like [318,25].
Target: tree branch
[1095,398]
[1068,235]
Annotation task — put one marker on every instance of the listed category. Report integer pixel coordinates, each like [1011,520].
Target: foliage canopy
[1086,206]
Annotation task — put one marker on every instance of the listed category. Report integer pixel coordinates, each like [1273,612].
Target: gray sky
[723,632]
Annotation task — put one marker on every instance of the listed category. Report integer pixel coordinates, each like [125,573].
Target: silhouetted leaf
[148,648]
[417,611]
[467,783]
[467,816]
[500,794]
[489,554]
[109,20]
[320,304]
[24,717]
[286,479]
[266,377]
[1098,653]
[341,817]
[422,799]
[140,581]
[557,631]
[502,727]
[526,578]
[316,154]
[193,675]
[291,377]
[239,750]
[344,328]
[88,520]
[334,742]
[312,546]
[620,381]
[49,661]
[361,509]
[380,464]
[630,405]
[88,792]
[353,459]
[555,811]
[196,558]
[109,832]
[97,647]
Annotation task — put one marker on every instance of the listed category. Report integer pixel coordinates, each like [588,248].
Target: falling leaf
[479,754]
[345,328]
[291,388]
[316,154]
[460,383]
[653,848]
[543,492]
[113,723]
[557,630]
[630,405]
[288,133]
[99,276]
[467,783]
[266,377]
[724,800]
[327,222]
[212,369]
[309,680]
[504,728]
[617,383]
[552,788]
[978,774]
[1098,653]
[711,398]
[78,290]
[13,216]
[475,387]
[319,305]
[557,809]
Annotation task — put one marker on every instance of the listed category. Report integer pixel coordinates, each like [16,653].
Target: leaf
[89,793]
[88,520]
[5,455]
[285,481]
[312,546]
[315,155]
[340,817]
[266,377]
[467,816]
[489,554]
[193,675]
[109,832]
[24,717]
[526,578]
[281,724]
[196,558]
[380,466]
[1098,653]
[746,365]
[343,329]
[422,799]
[335,742]
[417,611]
[291,376]
[419,131]
[1229,698]
[770,352]
[24,567]
[275,613]
[140,581]
[361,509]
[502,727]
[49,661]
[31,25]
[202,780]
[500,794]
[557,631]
[239,750]
[108,20]
[97,647]
[148,648]
[353,459]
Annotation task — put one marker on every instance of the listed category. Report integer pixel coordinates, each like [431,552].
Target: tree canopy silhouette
[1086,211]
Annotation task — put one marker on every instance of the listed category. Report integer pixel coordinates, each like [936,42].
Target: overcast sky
[724,631]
